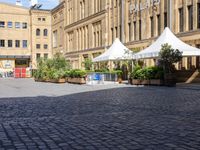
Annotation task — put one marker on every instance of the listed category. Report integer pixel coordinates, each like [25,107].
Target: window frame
[10,24]
[45,46]
[17,43]
[25,43]
[38,32]
[17,25]
[45,32]
[2,24]
[10,45]
[2,43]
[24,25]
[38,46]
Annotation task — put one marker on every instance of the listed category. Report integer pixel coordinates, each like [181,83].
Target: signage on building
[143,5]
[7,64]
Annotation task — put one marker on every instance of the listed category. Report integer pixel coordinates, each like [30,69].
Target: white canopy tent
[116,52]
[167,37]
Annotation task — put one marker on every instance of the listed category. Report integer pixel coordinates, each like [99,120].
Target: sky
[47,4]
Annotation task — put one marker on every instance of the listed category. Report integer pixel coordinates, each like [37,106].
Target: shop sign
[141,6]
[7,64]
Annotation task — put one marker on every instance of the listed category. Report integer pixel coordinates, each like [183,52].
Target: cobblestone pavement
[122,117]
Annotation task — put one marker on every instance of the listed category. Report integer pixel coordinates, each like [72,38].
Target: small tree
[88,64]
[169,56]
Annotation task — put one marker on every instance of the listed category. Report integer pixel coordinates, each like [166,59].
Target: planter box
[136,82]
[145,82]
[77,80]
[119,80]
[170,79]
[66,79]
[156,82]
[58,80]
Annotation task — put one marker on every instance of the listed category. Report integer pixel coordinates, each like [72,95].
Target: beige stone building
[82,29]
[58,23]
[25,35]
[91,26]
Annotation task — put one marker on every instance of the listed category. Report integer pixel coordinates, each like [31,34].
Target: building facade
[25,35]
[91,26]
[82,29]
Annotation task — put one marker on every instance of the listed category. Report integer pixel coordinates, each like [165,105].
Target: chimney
[18,3]
[33,2]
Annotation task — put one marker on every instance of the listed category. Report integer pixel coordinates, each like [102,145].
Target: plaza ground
[53,116]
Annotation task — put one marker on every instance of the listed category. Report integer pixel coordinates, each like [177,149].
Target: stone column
[185,14]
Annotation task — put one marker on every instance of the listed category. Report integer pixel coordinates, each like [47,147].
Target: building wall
[31,19]
[58,24]
[85,31]
[41,21]
[136,28]
[11,15]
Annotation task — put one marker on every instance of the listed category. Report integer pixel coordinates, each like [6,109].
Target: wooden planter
[119,80]
[170,79]
[66,79]
[145,82]
[136,82]
[77,80]
[58,80]
[156,82]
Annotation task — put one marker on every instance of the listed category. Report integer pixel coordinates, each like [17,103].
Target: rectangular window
[17,25]
[37,46]
[180,19]
[37,56]
[25,44]
[158,24]
[116,35]
[45,46]
[152,26]
[39,19]
[2,43]
[43,19]
[24,25]
[17,43]
[190,17]
[129,31]
[10,43]
[135,31]
[165,19]
[10,24]
[112,34]
[2,24]
[140,29]
[45,56]
[198,15]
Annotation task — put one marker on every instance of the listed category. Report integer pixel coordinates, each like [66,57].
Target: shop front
[15,66]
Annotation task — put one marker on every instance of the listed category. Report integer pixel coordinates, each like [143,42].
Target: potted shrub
[144,76]
[67,75]
[77,76]
[119,76]
[53,70]
[135,74]
[58,76]
[167,57]
[156,75]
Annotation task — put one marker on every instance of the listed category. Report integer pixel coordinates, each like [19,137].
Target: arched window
[45,32]
[37,32]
